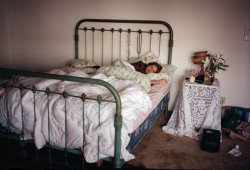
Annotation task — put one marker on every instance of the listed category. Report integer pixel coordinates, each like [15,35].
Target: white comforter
[134,101]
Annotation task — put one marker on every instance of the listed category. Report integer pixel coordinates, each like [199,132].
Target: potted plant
[212,65]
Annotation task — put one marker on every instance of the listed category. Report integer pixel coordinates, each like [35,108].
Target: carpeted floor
[159,150]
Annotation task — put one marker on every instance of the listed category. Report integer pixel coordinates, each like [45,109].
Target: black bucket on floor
[210,140]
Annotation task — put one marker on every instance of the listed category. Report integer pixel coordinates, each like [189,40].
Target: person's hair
[159,67]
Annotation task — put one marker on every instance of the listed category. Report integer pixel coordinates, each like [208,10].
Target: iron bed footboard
[117,121]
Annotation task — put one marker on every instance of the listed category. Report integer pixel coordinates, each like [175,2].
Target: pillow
[168,69]
[146,58]
[150,57]
[81,63]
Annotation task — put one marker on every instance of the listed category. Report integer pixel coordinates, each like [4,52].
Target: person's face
[151,69]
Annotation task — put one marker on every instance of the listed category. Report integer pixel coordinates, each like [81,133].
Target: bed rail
[118,117]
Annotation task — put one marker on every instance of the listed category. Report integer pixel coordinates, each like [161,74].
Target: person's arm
[161,81]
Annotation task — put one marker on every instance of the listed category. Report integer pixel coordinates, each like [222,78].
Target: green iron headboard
[81,26]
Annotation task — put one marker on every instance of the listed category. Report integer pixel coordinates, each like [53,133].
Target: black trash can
[211,140]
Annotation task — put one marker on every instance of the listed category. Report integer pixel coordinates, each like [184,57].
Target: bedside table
[198,107]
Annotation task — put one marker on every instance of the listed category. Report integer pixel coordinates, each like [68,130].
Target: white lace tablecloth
[198,107]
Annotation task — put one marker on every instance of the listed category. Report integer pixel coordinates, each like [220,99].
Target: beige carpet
[159,150]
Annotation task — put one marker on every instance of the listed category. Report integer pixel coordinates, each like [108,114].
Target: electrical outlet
[222,100]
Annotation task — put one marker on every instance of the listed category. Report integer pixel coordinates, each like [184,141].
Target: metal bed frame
[118,116]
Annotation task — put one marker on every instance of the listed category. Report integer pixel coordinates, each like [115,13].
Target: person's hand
[161,81]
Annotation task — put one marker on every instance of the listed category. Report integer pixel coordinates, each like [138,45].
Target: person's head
[153,68]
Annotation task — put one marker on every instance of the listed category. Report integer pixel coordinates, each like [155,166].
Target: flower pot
[208,78]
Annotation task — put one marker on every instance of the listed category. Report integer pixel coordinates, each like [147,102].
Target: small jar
[191,79]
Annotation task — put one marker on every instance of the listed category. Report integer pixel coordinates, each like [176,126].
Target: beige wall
[38,34]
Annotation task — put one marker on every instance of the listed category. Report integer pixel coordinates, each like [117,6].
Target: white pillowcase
[168,69]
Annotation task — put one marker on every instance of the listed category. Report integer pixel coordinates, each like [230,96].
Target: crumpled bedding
[124,70]
[134,101]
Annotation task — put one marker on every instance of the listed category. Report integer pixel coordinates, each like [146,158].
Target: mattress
[147,123]
[156,94]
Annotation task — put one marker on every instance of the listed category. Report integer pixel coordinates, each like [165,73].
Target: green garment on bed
[124,70]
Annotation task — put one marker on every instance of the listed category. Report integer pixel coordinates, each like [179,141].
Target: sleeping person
[153,67]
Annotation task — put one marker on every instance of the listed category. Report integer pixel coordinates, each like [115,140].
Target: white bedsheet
[156,94]
[134,101]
